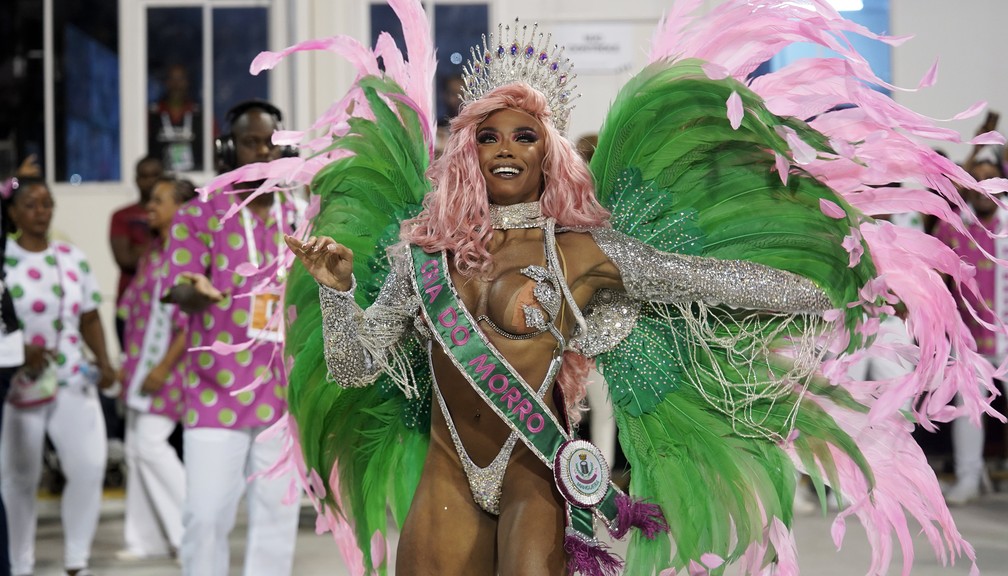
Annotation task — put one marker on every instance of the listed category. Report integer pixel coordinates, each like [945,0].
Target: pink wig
[456,214]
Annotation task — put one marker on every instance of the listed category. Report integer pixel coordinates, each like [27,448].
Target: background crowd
[70,393]
[166,239]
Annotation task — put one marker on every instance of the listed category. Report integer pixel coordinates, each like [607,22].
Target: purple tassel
[590,557]
[632,512]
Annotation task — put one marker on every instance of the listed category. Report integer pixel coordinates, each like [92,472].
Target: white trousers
[218,463]
[155,486]
[76,427]
[968,448]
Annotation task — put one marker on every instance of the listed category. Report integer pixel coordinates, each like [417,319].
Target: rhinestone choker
[525,215]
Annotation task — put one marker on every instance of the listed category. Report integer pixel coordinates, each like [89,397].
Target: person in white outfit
[154,339]
[56,298]
[967,437]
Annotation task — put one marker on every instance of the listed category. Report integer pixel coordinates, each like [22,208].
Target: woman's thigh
[532,521]
[446,532]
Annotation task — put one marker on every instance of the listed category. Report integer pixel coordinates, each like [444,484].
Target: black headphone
[224,146]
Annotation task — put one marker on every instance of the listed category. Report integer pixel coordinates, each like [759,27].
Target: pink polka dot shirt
[203,241]
[149,329]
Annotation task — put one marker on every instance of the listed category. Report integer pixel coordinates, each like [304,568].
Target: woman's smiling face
[511,146]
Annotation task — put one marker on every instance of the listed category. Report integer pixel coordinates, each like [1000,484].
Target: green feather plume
[375,436]
[677,176]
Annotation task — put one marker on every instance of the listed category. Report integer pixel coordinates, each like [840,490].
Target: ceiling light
[847,5]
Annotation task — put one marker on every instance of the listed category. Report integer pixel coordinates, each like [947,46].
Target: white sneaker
[127,555]
[963,492]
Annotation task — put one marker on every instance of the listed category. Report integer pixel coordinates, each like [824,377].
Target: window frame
[132,27]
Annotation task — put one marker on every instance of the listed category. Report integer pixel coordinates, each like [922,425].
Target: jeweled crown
[518,54]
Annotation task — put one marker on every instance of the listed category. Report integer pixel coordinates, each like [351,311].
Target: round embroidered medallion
[581,473]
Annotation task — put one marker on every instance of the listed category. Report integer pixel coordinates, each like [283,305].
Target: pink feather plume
[876,143]
[415,76]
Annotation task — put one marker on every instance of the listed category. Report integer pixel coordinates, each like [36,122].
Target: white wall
[967,38]
[965,33]
[321,78]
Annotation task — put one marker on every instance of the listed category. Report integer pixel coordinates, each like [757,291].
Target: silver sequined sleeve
[361,344]
[652,275]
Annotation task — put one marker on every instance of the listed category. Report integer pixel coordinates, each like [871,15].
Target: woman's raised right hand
[328,261]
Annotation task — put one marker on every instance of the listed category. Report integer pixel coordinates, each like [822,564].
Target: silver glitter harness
[486,483]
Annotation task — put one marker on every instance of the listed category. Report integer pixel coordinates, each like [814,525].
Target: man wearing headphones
[233,392]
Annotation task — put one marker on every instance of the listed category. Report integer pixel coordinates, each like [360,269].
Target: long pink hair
[455,216]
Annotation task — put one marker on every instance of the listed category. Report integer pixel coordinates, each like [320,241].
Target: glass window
[175,88]
[239,34]
[86,127]
[872,14]
[383,19]
[457,27]
[178,101]
[86,90]
[22,130]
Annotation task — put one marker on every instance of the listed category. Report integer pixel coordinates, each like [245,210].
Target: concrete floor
[984,523]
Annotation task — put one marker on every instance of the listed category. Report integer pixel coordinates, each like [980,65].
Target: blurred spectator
[129,237]
[175,124]
[222,424]
[56,298]
[450,97]
[11,335]
[967,438]
[152,376]
[129,233]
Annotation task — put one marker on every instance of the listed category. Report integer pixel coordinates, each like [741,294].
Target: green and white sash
[580,471]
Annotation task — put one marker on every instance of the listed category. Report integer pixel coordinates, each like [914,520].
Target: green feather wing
[670,124]
[374,437]
[701,398]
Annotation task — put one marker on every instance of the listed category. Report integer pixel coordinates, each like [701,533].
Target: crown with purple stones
[518,54]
